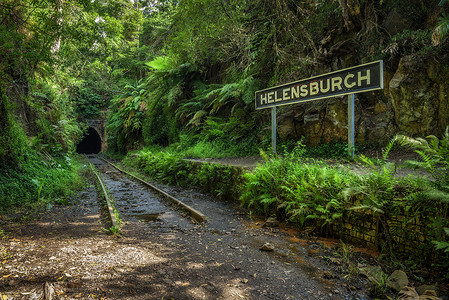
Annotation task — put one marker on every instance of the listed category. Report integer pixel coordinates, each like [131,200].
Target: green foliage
[44,172]
[13,142]
[434,153]
[297,190]
[330,150]
[204,30]
[335,150]
[309,193]
[88,102]
[161,63]
[164,88]
[37,181]
[410,42]
[165,167]
[126,118]
[215,179]
[443,245]
[443,25]
[156,127]
[172,169]
[27,32]
[328,14]
[379,187]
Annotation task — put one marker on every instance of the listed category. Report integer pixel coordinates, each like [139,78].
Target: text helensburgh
[365,77]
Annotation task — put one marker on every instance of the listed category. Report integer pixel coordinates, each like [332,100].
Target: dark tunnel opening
[90,144]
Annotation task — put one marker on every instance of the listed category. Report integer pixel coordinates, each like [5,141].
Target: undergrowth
[171,168]
[38,180]
[310,193]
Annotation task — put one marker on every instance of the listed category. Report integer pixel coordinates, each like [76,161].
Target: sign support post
[357,79]
[351,127]
[273,129]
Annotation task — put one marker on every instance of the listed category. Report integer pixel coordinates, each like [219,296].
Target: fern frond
[366,160]
[388,148]
[197,117]
[367,207]
[443,25]
[435,195]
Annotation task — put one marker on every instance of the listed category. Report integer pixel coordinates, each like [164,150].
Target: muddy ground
[164,255]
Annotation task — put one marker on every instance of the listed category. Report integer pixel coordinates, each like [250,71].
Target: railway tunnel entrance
[91,143]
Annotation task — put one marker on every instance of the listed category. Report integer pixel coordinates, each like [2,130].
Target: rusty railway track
[195,214]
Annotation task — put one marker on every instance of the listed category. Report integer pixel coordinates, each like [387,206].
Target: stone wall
[402,234]
[99,126]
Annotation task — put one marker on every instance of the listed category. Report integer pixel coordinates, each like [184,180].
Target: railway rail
[195,214]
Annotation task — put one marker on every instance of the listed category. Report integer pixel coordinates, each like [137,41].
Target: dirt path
[165,257]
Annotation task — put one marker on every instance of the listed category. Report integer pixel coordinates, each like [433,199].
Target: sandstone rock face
[415,102]
[415,98]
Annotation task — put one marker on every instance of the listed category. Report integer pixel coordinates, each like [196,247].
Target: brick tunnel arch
[91,143]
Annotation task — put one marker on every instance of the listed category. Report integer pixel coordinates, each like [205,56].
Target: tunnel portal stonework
[99,126]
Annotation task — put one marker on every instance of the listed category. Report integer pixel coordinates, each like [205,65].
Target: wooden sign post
[362,78]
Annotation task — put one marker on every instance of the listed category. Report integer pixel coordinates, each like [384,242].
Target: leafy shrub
[126,118]
[297,190]
[434,153]
[88,100]
[410,42]
[215,179]
[171,168]
[37,179]
[30,177]
[165,167]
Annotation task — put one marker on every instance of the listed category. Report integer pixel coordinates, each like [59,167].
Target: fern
[443,25]
[160,63]
[434,154]
[387,149]
[442,245]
